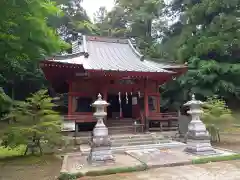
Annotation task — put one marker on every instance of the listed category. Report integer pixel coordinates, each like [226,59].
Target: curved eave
[59,64]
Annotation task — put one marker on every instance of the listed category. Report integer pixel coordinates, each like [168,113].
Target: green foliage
[216,159]
[67,176]
[31,120]
[7,152]
[74,20]
[25,39]
[207,37]
[216,115]
[216,112]
[5,102]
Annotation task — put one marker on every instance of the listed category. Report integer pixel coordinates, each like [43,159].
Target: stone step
[119,123]
[132,143]
[136,138]
[172,144]
[118,130]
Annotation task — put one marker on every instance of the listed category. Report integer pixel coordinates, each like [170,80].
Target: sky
[91,6]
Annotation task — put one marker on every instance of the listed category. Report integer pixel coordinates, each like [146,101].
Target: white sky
[91,6]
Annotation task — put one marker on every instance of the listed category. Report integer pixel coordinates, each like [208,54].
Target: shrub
[216,115]
[6,152]
[67,176]
[32,122]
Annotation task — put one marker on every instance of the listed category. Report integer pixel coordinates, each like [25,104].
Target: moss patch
[116,170]
[73,176]
[216,159]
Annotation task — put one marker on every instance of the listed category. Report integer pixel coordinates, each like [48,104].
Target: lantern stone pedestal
[100,143]
[198,138]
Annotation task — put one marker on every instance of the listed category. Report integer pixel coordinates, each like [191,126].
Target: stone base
[100,155]
[199,147]
[202,152]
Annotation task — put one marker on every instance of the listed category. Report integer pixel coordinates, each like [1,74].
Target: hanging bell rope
[126,98]
[119,97]
[120,105]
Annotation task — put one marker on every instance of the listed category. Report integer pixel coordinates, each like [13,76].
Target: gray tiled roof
[114,55]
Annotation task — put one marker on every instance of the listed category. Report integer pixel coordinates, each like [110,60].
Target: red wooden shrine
[114,68]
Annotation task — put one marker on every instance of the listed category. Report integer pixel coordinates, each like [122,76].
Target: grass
[216,159]
[116,171]
[46,167]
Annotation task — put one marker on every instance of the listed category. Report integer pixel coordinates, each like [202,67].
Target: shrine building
[124,77]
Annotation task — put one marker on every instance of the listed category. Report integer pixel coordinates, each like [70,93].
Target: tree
[75,20]
[5,102]
[206,36]
[114,23]
[100,15]
[32,122]
[25,39]
[141,14]
[143,18]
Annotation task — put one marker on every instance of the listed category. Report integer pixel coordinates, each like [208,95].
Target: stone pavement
[229,170]
[155,158]
[75,162]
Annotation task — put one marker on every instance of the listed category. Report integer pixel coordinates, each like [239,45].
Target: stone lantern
[100,144]
[198,138]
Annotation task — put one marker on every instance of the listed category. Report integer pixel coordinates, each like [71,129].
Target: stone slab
[161,157]
[172,144]
[169,157]
[75,163]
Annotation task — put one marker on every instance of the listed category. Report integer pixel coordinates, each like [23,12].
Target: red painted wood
[163,116]
[158,103]
[146,110]
[79,94]
[80,118]
[70,99]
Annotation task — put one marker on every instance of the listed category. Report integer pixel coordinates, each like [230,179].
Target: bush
[216,115]
[67,176]
[6,152]
[216,112]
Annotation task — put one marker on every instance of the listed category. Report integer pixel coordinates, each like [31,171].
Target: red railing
[80,118]
[163,116]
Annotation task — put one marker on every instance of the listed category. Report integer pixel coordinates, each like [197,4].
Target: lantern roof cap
[193,101]
[100,102]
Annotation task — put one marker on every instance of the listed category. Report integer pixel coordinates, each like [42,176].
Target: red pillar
[158,103]
[146,110]
[69,98]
